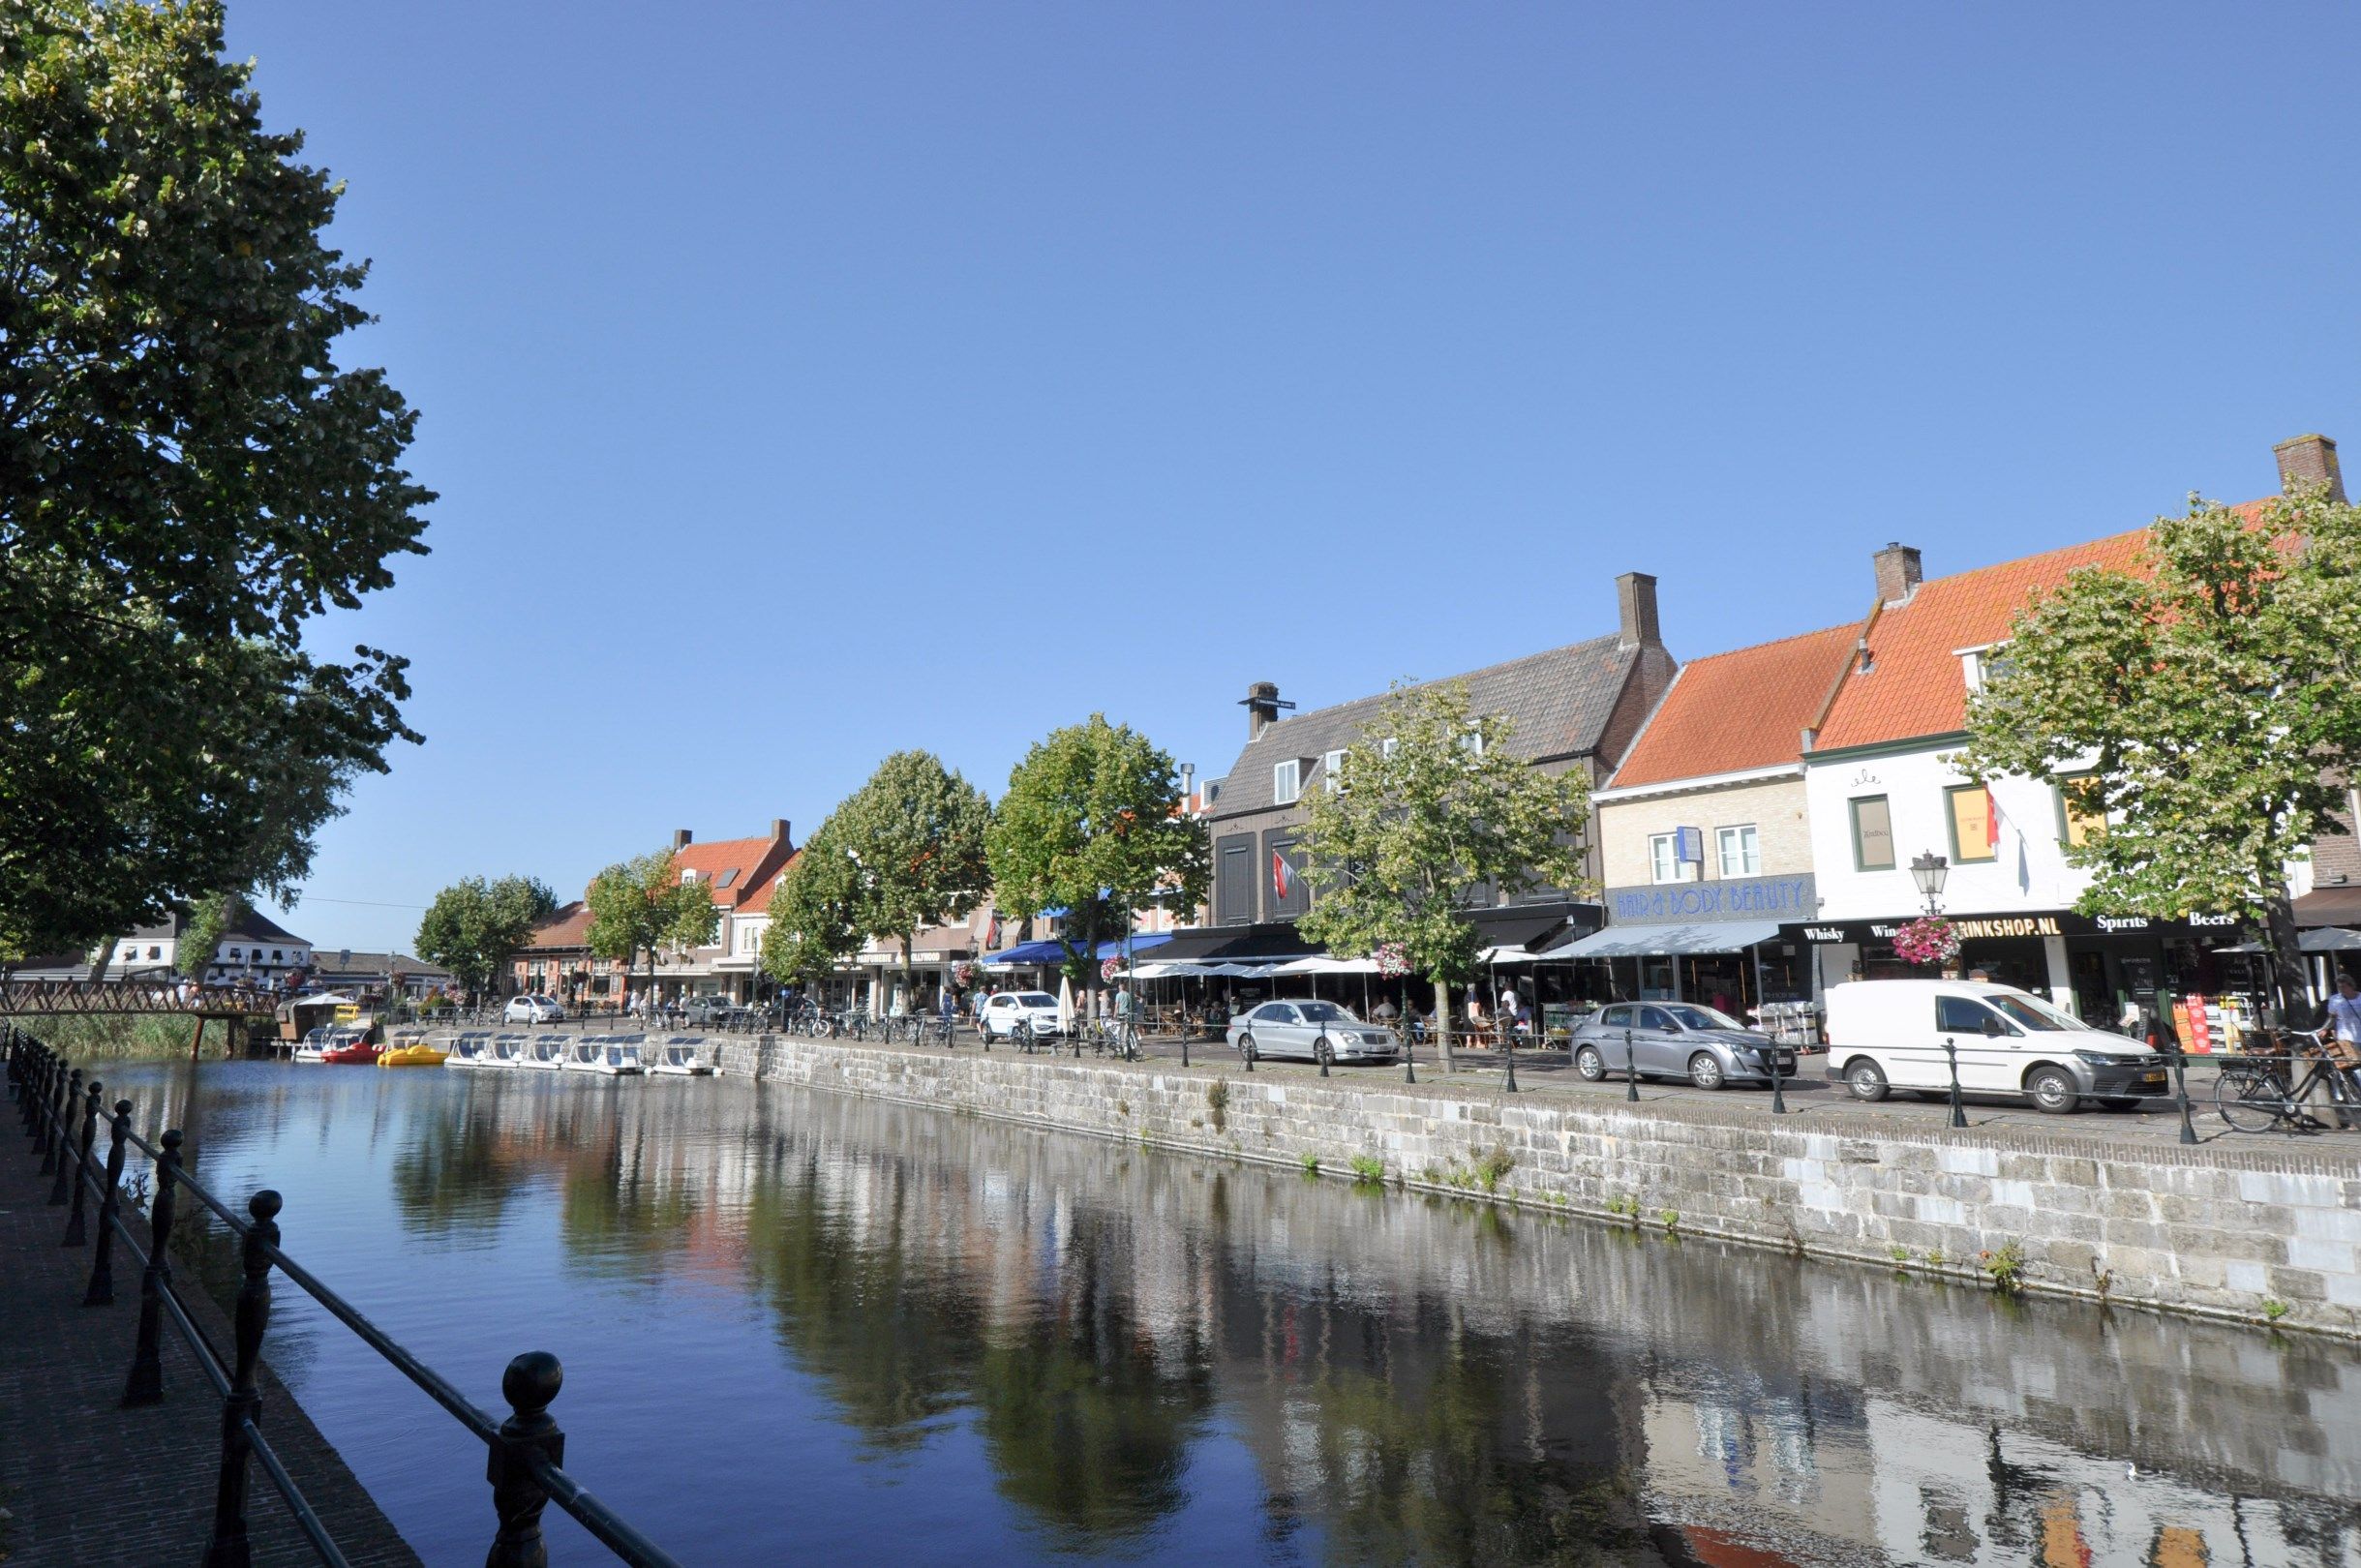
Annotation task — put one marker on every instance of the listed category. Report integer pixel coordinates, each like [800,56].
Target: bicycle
[2256,1095]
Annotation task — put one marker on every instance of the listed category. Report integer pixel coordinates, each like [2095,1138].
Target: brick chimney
[2306,460]
[778,829]
[1898,573]
[1262,706]
[1635,604]
[679,838]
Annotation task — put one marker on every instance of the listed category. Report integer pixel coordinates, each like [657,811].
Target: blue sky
[806,382]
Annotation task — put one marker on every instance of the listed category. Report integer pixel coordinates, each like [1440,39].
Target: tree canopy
[815,918]
[914,837]
[475,925]
[1432,814]
[2207,703]
[641,905]
[186,479]
[1091,823]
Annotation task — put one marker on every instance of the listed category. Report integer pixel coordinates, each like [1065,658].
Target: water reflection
[894,1333]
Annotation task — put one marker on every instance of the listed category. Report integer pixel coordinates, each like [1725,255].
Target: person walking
[2344,1030]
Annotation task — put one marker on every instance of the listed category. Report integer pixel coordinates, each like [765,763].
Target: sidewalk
[87,1482]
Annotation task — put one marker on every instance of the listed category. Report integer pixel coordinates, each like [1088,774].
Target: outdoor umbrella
[1065,1003]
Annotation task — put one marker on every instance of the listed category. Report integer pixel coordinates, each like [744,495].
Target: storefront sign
[1738,898]
[2064,922]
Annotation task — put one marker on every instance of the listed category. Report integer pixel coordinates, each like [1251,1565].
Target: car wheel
[1704,1072]
[2052,1092]
[1588,1062]
[1246,1049]
[1867,1079]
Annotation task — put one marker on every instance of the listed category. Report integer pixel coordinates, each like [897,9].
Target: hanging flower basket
[1931,939]
[1393,959]
[963,975]
[1112,969]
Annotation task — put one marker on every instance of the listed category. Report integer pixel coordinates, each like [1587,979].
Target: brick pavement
[91,1485]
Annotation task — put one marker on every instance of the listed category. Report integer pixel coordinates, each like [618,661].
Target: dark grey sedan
[1677,1039]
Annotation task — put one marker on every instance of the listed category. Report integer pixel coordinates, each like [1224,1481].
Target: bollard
[1951,1053]
[145,1385]
[1249,1053]
[1631,1070]
[64,1138]
[531,1382]
[1323,1052]
[75,1235]
[242,1406]
[1508,1054]
[101,1289]
[1184,1043]
[1778,1101]
[1410,1067]
[2180,1083]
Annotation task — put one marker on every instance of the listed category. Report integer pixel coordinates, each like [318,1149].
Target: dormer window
[1978,665]
[1332,771]
[1287,782]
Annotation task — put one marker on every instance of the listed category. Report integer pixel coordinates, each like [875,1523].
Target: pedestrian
[1509,1007]
[2344,1028]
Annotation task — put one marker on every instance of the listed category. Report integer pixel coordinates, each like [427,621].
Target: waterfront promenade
[88,1482]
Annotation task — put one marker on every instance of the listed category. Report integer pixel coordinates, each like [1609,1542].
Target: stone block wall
[2240,1233]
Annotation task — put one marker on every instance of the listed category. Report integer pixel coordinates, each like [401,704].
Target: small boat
[352,1048]
[543,1051]
[678,1058]
[470,1050]
[312,1048]
[505,1051]
[414,1053]
[601,1053]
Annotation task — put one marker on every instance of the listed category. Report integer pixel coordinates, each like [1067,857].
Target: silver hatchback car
[1677,1039]
[1312,1031]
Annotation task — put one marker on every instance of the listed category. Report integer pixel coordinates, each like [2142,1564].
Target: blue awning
[1025,953]
[1140,944]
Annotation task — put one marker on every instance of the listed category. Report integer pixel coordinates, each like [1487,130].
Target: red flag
[1279,873]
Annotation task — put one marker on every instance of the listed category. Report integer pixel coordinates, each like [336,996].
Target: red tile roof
[744,864]
[1915,685]
[758,897]
[564,929]
[1743,709]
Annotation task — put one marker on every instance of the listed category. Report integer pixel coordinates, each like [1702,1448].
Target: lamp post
[1930,871]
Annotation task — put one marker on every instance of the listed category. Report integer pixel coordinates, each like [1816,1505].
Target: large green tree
[1432,813]
[2206,701]
[1092,824]
[187,478]
[816,915]
[474,924]
[641,905]
[914,837]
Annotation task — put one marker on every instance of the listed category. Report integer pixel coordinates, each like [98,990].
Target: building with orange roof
[1703,829]
[1885,795]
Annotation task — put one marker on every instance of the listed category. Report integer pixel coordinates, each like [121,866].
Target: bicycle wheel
[2250,1099]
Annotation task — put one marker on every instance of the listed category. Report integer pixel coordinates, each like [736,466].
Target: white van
[1892,1034]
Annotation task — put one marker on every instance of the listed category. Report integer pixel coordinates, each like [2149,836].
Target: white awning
[1326,966]
[1659,941]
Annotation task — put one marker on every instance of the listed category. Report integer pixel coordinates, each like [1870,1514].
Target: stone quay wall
[2257,1234]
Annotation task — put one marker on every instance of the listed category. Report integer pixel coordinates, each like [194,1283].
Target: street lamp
[1930,871]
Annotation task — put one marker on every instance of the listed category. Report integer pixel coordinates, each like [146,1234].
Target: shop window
[2081,813]
[1286,782]
[1975,833]
[1663,859]
[1741,851]
[1872,833]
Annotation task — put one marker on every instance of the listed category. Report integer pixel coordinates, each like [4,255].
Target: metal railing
[61,1113]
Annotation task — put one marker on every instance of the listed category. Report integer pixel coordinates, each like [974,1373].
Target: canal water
[803,1328]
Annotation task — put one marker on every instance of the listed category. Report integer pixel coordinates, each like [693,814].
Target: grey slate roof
[1559,702]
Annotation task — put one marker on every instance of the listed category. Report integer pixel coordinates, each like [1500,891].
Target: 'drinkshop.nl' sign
[1740,898]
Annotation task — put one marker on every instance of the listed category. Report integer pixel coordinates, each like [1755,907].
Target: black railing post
[145,1385]
[1184,1042]
[1950,1054]
[242,1406]
[66,1104]
[1409,1056]
[62,1083]
[1323,1050]
[53,1084]
[531,1382]
[1631,1069]
[101,1289]
[75,1234]
[2180,1092]
[1778,1100]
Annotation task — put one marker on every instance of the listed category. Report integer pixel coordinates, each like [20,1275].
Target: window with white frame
[749,937]
[1287,782]
[1388,746]
[1332,771]
[1663,858]
[1741,851]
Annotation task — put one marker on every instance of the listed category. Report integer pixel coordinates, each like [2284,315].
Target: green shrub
[1493,1166]
[2006,1268]
[1368,1169]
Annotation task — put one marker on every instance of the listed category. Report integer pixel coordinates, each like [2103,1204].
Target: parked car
[533,1010]
[1004,1010]
[1893,1034]
[711,1010]
[1677,1040]
[1311,1030]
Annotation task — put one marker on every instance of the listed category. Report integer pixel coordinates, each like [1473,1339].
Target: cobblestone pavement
[89,1483]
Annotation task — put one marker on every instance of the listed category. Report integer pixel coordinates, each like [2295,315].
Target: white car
[1904,1034]
[532,1010]
[1004,1010]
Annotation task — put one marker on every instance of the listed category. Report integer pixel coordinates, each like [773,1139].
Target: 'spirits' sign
[1738,898]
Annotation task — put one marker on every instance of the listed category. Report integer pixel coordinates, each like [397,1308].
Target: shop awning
[2329,906]
[1269,942]
[1141,941]
[2325,938]
[1025,953]
[1661,941]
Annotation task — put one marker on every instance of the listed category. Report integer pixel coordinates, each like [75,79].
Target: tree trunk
[1090,960]
[2288,975]
[909,975]
[1442,1021]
